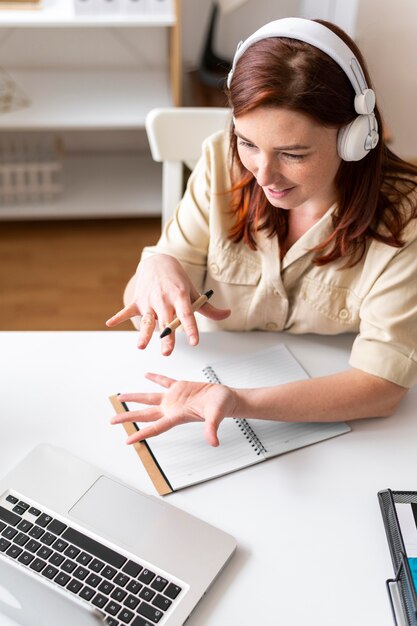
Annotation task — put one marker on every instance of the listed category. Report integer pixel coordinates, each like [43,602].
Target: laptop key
[131,602]
[147,594]
[36,532]
[56,527]
[56,559]
[43,520]
[72,552]
[94,580]
[44,553]
[32,545]
[172,591]
[125,616]
[2,525]
[161,602]
[100,600]
[134,586]
[37,565]
[119,594]
[18,509]
[96,565]
[12,499]
[23,505]
[74,586]
[81,573]
[112,607]
[34,511]
[152,613]
[9,532]
[140,621]
[146,576]
[14,551]
[108,572]
[9,517]
[121,579]
[60,545]
[62,578]
[132,568]
[106,587]
[110,621]
[83,558]
[26,558]
[87,593]
[4,544]
[21,539]
[25,525]
[49,571]
[48,538]
[159,583]
[69,566]
[95,548]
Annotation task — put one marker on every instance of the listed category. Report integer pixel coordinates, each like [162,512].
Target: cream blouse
[376,299]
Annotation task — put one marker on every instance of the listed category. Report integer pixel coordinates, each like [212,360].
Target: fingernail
[192,340]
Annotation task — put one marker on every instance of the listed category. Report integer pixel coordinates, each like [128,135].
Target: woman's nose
[266,173]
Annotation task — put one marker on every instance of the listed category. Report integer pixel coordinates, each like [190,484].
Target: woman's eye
[245,144]
[293,157]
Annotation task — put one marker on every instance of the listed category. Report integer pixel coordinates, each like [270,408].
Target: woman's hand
[183,402]
[163,292]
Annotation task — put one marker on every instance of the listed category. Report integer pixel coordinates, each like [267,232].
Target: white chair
[175,136]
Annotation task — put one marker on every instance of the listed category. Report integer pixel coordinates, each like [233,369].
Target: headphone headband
[325,40]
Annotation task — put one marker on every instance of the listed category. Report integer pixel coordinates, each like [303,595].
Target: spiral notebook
[181,457]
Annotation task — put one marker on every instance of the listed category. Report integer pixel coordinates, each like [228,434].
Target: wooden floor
[68,275]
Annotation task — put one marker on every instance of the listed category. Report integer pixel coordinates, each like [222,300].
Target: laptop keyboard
[124,590]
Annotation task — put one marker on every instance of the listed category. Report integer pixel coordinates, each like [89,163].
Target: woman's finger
[129,311]
[152,430]
[141,398]
[164,381]
[146,415]
[146,328]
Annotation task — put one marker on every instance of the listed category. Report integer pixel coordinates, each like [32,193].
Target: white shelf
[99,187]
[77,100]
[60,13]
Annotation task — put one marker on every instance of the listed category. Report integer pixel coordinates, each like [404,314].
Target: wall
[231,27]
[386,33]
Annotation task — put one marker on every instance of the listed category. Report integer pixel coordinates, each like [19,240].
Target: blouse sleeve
[387,342]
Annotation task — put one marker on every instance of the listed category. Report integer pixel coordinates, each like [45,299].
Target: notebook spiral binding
[244,426]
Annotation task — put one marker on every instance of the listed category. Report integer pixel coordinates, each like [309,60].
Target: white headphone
[355,140]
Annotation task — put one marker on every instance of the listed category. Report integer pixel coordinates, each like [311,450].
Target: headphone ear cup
[352,139]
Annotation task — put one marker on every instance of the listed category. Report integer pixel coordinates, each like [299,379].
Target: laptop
[79,547]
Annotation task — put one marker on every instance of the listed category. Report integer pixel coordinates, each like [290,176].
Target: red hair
[373,194]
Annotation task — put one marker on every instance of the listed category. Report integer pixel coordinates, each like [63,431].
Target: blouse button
[271,326]
[344,314]
[214,268]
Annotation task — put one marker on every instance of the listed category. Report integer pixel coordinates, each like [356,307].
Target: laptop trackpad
[122,514]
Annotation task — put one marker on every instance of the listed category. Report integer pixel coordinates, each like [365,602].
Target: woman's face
[293,158]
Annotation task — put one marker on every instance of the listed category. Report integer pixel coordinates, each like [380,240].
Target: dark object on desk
[213,69]
[390,503]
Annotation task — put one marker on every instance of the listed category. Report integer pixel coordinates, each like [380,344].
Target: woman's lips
[279,193]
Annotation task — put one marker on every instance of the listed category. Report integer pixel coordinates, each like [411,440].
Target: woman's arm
[349,395]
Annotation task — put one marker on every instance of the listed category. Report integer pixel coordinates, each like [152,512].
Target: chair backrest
[175,135]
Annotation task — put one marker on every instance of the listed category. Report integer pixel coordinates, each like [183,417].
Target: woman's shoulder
[218,141]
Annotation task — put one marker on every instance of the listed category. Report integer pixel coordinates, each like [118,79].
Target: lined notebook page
[274,366]
[186,458]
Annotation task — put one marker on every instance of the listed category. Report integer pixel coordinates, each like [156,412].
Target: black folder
[402,573]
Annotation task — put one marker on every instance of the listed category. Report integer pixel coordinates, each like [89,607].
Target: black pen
[196,305]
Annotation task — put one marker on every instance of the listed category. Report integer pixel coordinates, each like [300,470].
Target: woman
[300,220]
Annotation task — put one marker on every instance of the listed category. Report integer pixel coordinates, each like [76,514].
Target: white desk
[312,547]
